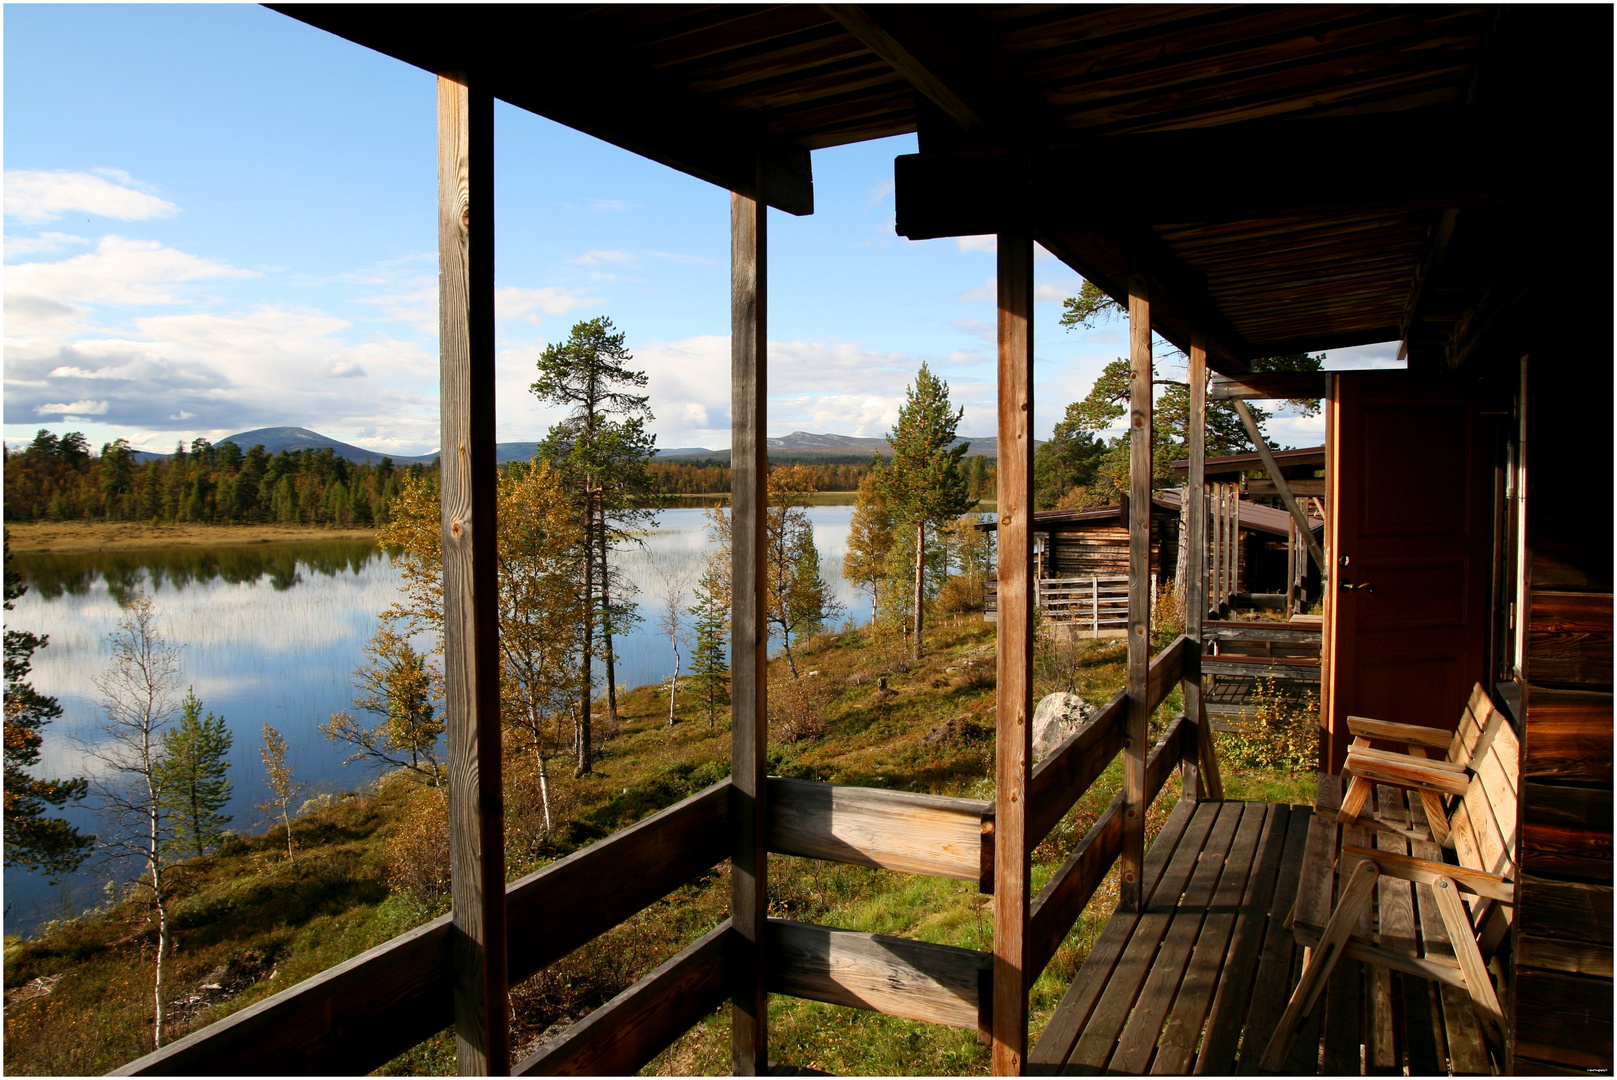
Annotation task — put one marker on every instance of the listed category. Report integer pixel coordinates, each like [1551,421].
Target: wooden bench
[1386,867]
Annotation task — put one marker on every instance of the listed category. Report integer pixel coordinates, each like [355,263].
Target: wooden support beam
[1263,386]
[1139,641]
[644,1020]
[957,66]
[749,634]
[971,191]
[1195,583]
[471,614]
[1013,739]
[940,984]
[636,109]
[895,830]
[1279,479]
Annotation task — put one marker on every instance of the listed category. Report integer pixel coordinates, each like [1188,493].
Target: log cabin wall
[1562,986]
[1101,549]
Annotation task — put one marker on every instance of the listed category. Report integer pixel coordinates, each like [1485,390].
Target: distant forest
[61,479]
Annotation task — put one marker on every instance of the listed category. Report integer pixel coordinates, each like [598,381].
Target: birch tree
[284,791]
[137,703]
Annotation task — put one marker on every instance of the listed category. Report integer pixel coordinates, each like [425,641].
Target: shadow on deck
[1197,982]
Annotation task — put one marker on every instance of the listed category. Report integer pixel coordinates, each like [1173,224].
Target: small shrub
[417,854]
[797,708]
[1167,616]
[1275,731]
[959,595]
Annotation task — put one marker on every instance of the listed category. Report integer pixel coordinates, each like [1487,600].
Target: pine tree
[924,485]
[32,838]
[602,448]
[192,775]
[710,666]
[870,536]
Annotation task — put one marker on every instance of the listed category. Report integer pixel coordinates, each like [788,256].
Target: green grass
[254,923]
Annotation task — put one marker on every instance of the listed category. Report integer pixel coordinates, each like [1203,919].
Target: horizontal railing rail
[643,1021]
[918,980]
[894,830]
[357,1016]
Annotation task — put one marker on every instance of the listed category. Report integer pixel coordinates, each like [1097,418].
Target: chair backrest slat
[1479,711]
[1483,823]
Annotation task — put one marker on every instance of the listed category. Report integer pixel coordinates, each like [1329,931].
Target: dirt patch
[69,536]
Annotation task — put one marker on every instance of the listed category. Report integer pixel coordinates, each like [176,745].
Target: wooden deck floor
[1197,981]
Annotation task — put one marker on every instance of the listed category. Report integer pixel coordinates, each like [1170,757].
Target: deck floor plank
[1138,1042]
[1067,1022]
[1111,1012]
[1196,982]
[1182,1030]
[1272,984]
[1234,991]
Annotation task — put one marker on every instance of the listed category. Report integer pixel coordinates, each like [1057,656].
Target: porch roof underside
[1353,188]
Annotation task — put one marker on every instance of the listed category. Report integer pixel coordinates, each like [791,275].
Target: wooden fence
[355,1017]
[1084,604]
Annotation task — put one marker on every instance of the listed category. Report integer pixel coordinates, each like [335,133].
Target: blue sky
[218,218]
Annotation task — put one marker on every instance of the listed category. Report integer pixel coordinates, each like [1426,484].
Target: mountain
[798,446]
[296,439]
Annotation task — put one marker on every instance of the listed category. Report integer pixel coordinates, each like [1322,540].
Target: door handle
[1348,586]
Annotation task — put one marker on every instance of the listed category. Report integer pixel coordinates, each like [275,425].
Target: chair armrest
[1406,771]
[1425,871]
[1388,731]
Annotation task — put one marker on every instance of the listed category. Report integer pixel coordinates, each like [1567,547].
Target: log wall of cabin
[1561,985]
[1102,550]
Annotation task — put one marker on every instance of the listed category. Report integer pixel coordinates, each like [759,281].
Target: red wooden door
[1408,543]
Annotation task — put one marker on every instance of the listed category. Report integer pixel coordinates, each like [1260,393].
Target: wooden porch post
[1135,740]
[1195,585]
[1013,724]
[471,615]
[749,635]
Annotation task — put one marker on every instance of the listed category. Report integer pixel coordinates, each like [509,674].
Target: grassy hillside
[374,863]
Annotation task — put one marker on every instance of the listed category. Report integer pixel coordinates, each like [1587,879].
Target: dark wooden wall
[1101,549]
[1562,985]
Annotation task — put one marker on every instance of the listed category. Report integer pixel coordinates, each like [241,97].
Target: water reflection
[272,633]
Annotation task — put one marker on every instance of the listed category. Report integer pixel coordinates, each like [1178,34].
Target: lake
[272,633]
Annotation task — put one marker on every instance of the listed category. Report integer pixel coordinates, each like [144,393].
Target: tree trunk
[544,791]
[606,624]
[583,729]
[673,686]
[920,570]
[162,924]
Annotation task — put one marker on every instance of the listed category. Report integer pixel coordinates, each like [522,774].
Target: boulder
[1057,716]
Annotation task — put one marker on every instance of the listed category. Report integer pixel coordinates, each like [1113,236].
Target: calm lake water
[272,633]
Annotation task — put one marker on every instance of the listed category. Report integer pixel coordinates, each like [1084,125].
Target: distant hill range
[798,446]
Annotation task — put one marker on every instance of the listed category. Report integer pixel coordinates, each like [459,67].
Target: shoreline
[67,537]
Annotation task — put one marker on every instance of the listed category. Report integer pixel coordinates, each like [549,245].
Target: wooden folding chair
[1478,864]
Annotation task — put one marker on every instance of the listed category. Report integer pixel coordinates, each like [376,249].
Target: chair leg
[1353,800]
[1360,888]
[1477,983]
[1437,818]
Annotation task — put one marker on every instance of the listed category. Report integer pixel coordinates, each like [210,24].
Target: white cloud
[610,205]
[874,197]
[416,308]
[77,408]
[346,369]
[1045,291]
[514,303]
[40,195]
[119,271]
[595,258]
[42,244]
[988,243]
[1053,292]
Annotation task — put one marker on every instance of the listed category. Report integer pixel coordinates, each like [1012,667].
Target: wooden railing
[358,1015]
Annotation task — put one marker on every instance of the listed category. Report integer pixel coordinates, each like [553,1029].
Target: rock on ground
[1058,716]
